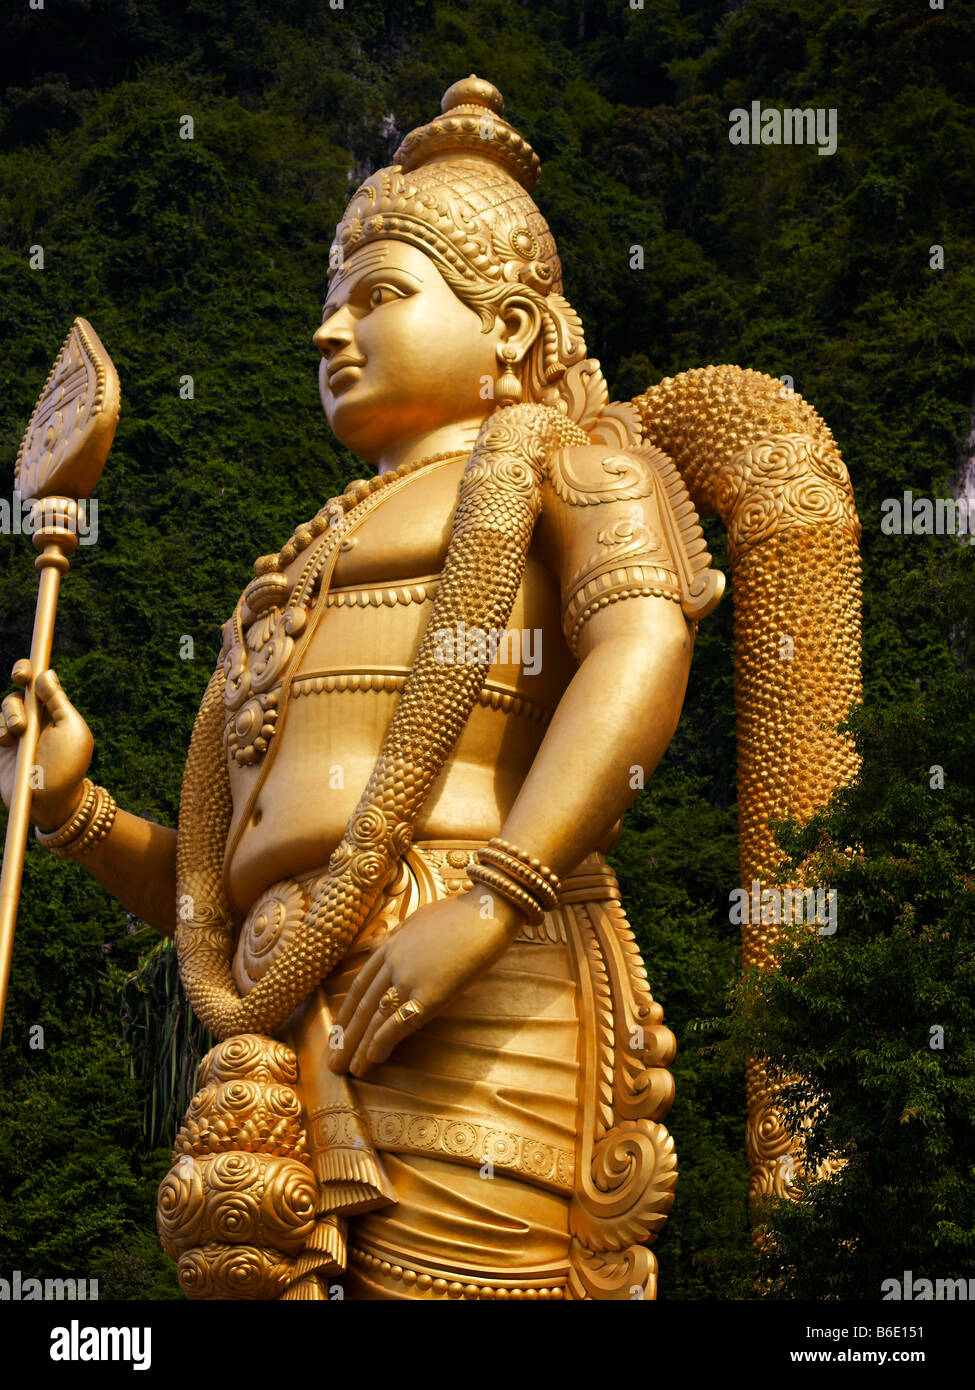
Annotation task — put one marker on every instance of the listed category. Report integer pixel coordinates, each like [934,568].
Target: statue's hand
[63,750]
[431,959]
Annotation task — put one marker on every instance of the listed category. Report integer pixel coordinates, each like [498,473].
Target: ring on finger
[409,1011]
[390,1001]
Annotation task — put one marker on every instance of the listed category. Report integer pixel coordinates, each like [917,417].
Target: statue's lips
[344,374]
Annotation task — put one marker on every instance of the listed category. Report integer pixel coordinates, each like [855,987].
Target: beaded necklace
[356,492]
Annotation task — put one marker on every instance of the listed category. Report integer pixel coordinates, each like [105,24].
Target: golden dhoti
[511,1147]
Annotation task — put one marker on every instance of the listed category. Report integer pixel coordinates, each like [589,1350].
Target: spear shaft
[60,460]
[52,562]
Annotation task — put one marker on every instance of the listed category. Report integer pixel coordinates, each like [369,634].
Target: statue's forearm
[619,713]
[136,862]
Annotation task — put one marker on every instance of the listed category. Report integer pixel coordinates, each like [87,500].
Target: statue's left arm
[608,532]
[624,574]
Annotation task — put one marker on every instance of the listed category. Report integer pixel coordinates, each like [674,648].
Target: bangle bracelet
[508,888]
[89,825]
[74,825]
[97,830]
[508,848]
[540,888]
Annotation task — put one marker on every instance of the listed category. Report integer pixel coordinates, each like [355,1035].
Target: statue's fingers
[22,672]
[360,984]
[367,1011]
[52,696]
[15,719]
[361,1063]
[6,738]
[391,1031]
[356,1025]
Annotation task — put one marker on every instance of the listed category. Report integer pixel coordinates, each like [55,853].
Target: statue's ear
[522,321]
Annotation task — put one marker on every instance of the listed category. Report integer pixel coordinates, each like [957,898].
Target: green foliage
[207,257]
[77,1179]
[165,1039]
[676,855]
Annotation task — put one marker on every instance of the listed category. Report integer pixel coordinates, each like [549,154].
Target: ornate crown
[460,192]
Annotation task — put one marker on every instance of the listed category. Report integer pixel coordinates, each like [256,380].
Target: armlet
[629,530]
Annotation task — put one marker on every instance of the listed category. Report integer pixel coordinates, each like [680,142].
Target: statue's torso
[346,687]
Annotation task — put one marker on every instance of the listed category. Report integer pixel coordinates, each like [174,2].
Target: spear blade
[71,430]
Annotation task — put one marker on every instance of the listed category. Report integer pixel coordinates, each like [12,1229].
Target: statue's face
[401,354]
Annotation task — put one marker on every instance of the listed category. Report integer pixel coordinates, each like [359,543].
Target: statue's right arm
[136,861]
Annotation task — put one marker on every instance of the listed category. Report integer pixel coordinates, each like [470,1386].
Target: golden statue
[441,1072]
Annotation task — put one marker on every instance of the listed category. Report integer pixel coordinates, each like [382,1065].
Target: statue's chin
[369,432]
[359,446]
[350,425]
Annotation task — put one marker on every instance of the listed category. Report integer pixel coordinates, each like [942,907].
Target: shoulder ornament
[653,548]
[586,475]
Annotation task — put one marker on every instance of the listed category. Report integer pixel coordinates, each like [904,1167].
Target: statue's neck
[460,436]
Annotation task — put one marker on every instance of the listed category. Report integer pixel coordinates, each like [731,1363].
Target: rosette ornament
[239,1205]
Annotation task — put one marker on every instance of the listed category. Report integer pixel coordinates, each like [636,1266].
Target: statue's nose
[331,336]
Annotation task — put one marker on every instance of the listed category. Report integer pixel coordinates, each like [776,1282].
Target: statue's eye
[382,294]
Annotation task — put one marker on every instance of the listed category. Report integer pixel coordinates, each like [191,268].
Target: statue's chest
[402,536]
[406,537]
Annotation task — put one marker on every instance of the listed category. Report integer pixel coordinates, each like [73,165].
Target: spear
[59,462]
